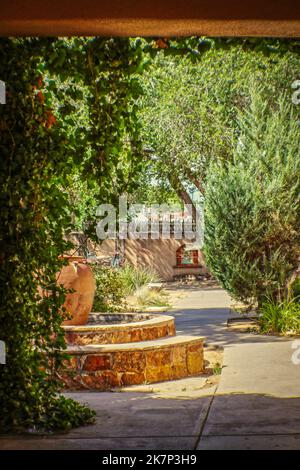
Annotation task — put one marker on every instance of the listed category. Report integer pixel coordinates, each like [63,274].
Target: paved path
[257,402]
[202,313]
[255,406]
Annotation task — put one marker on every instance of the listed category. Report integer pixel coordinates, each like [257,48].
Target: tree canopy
[190,104]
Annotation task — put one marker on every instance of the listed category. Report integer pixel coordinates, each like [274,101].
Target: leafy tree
[252,213]
[190,103]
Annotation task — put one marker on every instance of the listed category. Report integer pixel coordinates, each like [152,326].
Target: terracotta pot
[78,275]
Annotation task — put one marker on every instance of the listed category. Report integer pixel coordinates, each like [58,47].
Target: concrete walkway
[255,406]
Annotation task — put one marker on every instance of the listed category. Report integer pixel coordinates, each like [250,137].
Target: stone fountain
[117,349]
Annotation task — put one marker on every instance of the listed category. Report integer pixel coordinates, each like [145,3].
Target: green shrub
[252,206]
[113,285]
[110,289]
[134,278]
[296,289]
[280,317]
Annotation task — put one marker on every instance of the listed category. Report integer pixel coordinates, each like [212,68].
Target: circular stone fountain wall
[117,349]
[113,328]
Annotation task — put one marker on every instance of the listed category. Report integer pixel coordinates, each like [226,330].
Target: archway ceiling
[150,17]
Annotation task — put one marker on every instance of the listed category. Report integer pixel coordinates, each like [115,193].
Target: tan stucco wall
[159,254]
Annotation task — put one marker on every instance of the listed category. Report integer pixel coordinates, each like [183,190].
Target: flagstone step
[104,366]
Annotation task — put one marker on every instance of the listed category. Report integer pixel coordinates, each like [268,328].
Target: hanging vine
[39,151]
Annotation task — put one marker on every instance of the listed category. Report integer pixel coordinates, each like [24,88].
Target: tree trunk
[183,195]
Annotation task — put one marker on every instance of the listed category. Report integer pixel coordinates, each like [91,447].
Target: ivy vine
[39,151]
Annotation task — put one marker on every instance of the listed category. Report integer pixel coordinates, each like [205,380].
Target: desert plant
[146,297]
[252,219]
[134,278]
[283,317]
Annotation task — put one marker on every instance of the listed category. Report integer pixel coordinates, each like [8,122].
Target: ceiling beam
[150,18]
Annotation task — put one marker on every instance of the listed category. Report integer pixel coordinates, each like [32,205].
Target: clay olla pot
[77,275]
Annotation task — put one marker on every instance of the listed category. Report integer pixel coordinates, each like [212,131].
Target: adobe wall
[158,254]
